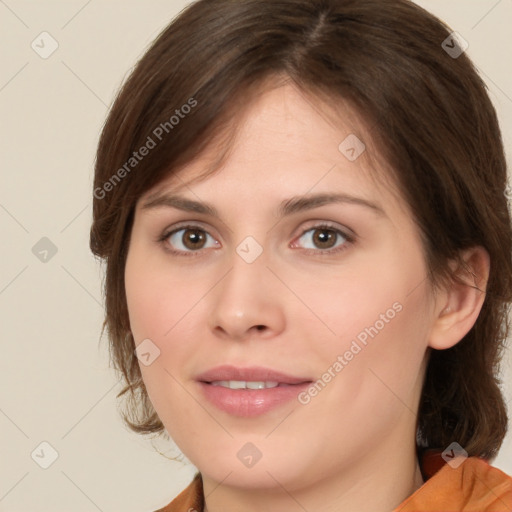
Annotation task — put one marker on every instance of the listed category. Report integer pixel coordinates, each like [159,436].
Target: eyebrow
[287,207]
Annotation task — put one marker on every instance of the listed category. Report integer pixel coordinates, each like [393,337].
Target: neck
[378,482]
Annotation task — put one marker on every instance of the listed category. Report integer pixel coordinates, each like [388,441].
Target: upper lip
[249,374]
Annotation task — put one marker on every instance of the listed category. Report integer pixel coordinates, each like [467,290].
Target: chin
[269,472]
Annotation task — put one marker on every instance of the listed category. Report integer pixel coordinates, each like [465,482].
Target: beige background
[56,384]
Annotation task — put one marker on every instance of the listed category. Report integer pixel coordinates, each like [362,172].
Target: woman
[302,209]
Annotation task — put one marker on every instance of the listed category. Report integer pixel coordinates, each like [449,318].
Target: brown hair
[433,123]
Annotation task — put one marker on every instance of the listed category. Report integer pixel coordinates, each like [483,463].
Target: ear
[458,304]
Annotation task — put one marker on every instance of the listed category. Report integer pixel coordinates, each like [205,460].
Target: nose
[247,302]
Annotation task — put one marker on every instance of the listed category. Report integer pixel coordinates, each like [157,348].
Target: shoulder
[189,500]
[489,485]
[471,485]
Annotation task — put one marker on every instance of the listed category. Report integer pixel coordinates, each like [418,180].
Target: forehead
[285,143]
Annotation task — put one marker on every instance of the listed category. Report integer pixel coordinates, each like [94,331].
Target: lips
[248,392]
[252,374]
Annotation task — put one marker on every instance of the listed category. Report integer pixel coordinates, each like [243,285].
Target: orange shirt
[474,486]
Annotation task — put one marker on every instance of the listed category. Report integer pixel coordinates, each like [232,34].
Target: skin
[352,447]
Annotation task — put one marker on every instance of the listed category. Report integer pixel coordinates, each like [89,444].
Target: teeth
[241,384]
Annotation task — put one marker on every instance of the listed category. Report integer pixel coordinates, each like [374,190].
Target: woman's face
[302,265]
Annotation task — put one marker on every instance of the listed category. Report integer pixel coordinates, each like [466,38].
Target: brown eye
[193,239]
[323,238]
[189,239]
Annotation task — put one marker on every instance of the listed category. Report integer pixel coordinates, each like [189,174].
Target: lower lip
[247,403]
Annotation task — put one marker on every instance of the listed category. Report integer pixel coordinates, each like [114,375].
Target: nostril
[260,327]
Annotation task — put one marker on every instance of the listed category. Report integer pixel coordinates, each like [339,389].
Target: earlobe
[462,299]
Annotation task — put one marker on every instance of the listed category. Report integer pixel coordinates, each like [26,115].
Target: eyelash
[349,239]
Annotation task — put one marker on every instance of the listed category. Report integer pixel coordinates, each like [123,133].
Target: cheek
[158,307]
[365,303]
[162,304]
[373,330]
[156,299]
[376,381]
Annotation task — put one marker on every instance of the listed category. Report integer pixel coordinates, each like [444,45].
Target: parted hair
[432,122]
